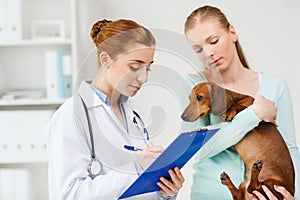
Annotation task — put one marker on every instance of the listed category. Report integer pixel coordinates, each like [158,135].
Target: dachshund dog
[263,150]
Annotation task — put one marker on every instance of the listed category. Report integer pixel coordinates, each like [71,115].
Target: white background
[268,32]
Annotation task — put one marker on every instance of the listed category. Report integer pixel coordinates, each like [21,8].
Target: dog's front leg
[237,194]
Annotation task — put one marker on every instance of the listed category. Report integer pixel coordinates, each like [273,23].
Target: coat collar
[89,96]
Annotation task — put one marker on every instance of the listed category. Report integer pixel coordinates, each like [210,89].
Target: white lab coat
[69,150]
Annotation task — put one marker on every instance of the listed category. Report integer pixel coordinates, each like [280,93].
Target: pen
[132,148]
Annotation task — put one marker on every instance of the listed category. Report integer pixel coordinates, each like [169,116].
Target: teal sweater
[221,156]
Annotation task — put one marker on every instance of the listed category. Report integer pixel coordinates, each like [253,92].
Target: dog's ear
[218,99]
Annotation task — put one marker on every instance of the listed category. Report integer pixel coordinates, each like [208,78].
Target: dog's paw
[223,118]
[258,165]
[224,178]
[228,116]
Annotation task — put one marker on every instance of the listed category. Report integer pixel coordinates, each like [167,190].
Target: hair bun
[98,26]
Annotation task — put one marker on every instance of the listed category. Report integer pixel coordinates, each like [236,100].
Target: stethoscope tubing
[93,155]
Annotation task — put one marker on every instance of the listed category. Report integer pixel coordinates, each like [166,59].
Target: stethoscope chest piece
[94,167]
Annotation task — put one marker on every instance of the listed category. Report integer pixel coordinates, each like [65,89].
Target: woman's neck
[241,80]
[235,75]
[103,85]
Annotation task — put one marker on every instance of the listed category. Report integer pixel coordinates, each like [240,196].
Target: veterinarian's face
[129,72]
[214,45]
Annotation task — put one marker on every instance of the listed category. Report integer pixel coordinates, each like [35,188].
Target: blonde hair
[209,12]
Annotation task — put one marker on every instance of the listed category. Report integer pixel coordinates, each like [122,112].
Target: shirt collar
[91,98]
[102,96]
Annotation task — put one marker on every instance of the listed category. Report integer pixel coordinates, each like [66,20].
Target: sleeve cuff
[166,197]
[248,116]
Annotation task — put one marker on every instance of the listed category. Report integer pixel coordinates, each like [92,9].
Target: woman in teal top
[216,44]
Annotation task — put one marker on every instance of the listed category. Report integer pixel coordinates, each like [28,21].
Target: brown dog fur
[263,150]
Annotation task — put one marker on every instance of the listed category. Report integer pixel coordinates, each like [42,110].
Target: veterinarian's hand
[148,155]
[265,109]
[171,187]
[280,189]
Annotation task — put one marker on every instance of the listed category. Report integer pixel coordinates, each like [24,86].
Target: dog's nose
[184,116]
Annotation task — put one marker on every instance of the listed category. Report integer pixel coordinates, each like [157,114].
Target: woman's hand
[148,155]
[280,189]
[171,187]
[265,109]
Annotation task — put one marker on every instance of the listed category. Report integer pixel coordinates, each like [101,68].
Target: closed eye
[199,50]
[134,68]
[214,41]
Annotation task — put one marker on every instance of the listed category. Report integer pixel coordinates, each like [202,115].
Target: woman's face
[213,44]
[129,72]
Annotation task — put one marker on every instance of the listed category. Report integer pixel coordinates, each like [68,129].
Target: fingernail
[254,192]
[278,187]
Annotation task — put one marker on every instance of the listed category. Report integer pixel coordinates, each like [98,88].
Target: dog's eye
[199,97]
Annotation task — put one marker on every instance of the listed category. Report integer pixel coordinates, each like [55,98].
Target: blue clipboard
[178,153]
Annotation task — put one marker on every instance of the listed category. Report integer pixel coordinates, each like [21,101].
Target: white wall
[268,31]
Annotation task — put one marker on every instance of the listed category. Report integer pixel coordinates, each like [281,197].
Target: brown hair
[117,37]
[208,12]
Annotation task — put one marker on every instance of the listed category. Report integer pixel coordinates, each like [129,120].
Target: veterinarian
[216,44]
[88,158]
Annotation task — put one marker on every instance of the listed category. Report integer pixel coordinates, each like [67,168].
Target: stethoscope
[94,167]
[138,122]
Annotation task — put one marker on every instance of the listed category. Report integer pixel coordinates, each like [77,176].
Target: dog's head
[205,98]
